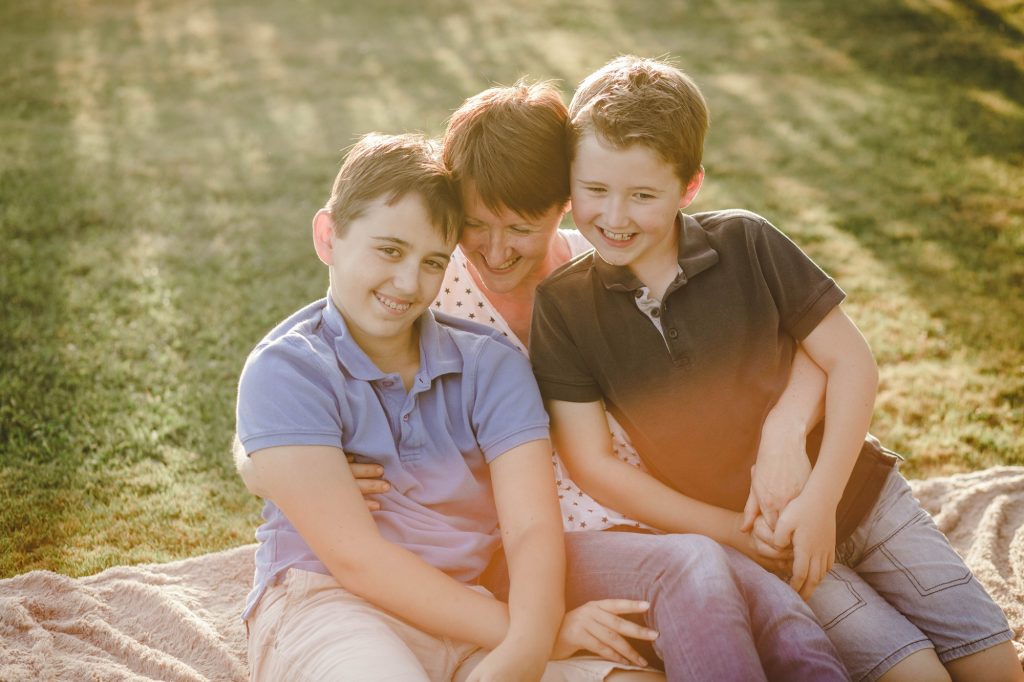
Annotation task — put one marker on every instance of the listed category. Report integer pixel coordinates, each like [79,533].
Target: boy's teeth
[617,236]
[391,304]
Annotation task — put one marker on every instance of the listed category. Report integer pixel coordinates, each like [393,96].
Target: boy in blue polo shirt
[456,422]
[684,327]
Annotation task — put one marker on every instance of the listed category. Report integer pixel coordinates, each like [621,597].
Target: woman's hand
[597,627]
[368,478]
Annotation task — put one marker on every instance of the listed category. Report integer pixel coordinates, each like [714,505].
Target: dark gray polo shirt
[693,396]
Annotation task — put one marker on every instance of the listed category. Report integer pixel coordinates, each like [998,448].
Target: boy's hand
[368,478]
[782,469]
[507,663]
[597,627]
[764,543]
[811,527]
[759,545]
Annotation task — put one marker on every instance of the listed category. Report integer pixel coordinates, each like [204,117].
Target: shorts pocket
[835,600]
[921,552]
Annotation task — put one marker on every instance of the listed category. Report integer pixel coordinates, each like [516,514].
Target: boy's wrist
[821,496]
[787,426]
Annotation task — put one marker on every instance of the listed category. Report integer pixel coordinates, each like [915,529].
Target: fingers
[361,471]
[768,551]
[750,511]
[814,576]
[771,516]
[801,567]
[784,528]
[615,606]
[762,532]
[606,631]
[371,486]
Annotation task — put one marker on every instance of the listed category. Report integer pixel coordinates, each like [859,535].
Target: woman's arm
[314,488]
[580,434]
[531,532]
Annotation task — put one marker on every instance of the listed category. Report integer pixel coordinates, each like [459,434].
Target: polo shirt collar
[695,256]
[439,354]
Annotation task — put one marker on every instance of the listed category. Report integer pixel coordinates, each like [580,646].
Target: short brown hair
[393,166]
[509,142]
[633,100]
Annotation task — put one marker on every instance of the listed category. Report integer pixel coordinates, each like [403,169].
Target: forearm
[838,347]
[536,604]
[640,496]
[802,403]
[849,403]
[422,594]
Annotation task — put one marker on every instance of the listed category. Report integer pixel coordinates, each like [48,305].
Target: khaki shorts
[307,627]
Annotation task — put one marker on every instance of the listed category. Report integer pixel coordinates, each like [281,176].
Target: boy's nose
[406,280]
[615,214]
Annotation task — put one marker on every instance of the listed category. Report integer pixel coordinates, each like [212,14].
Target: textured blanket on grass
[180,621]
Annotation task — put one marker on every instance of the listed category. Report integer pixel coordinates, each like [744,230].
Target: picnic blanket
[180,621]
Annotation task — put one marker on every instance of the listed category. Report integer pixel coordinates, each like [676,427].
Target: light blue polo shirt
[474,398]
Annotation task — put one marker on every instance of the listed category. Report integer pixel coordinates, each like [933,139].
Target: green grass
[160,162]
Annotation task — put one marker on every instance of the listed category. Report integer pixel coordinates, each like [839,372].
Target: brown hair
[392,166]
[509,143]
[633,100]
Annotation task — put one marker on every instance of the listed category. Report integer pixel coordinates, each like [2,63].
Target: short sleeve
[803,293]
[558,363]
[507,410]
[285,398]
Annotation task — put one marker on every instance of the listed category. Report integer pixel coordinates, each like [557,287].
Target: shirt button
[405,417]
[656,313]
[638,293]
[672,333]
[387,384]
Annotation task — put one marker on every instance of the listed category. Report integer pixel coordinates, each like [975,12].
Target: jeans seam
[968,648]
[870,550]
[887,663]
[921,589]
[857,605]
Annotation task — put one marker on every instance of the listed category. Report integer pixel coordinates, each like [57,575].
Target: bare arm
[314,488]
[580,433]
[837,346]
[368,476]
[782,465]
[531,530]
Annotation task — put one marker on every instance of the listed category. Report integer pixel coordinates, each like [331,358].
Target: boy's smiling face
[386,268]
[625,202]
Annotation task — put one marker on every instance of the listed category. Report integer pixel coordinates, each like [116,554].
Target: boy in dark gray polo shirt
[685,327]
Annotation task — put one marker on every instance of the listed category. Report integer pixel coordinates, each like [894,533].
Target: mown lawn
[160,162]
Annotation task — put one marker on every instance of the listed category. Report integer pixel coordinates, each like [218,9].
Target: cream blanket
[179,621]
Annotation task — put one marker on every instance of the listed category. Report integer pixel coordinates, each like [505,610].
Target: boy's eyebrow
[633,188]
[401,242]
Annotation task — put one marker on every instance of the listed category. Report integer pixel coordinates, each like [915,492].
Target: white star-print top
[460,296]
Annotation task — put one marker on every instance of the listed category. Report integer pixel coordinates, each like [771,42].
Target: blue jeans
[720,616]
[898,587]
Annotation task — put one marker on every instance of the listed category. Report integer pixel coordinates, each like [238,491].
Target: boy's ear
[323,236]
[692,187]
